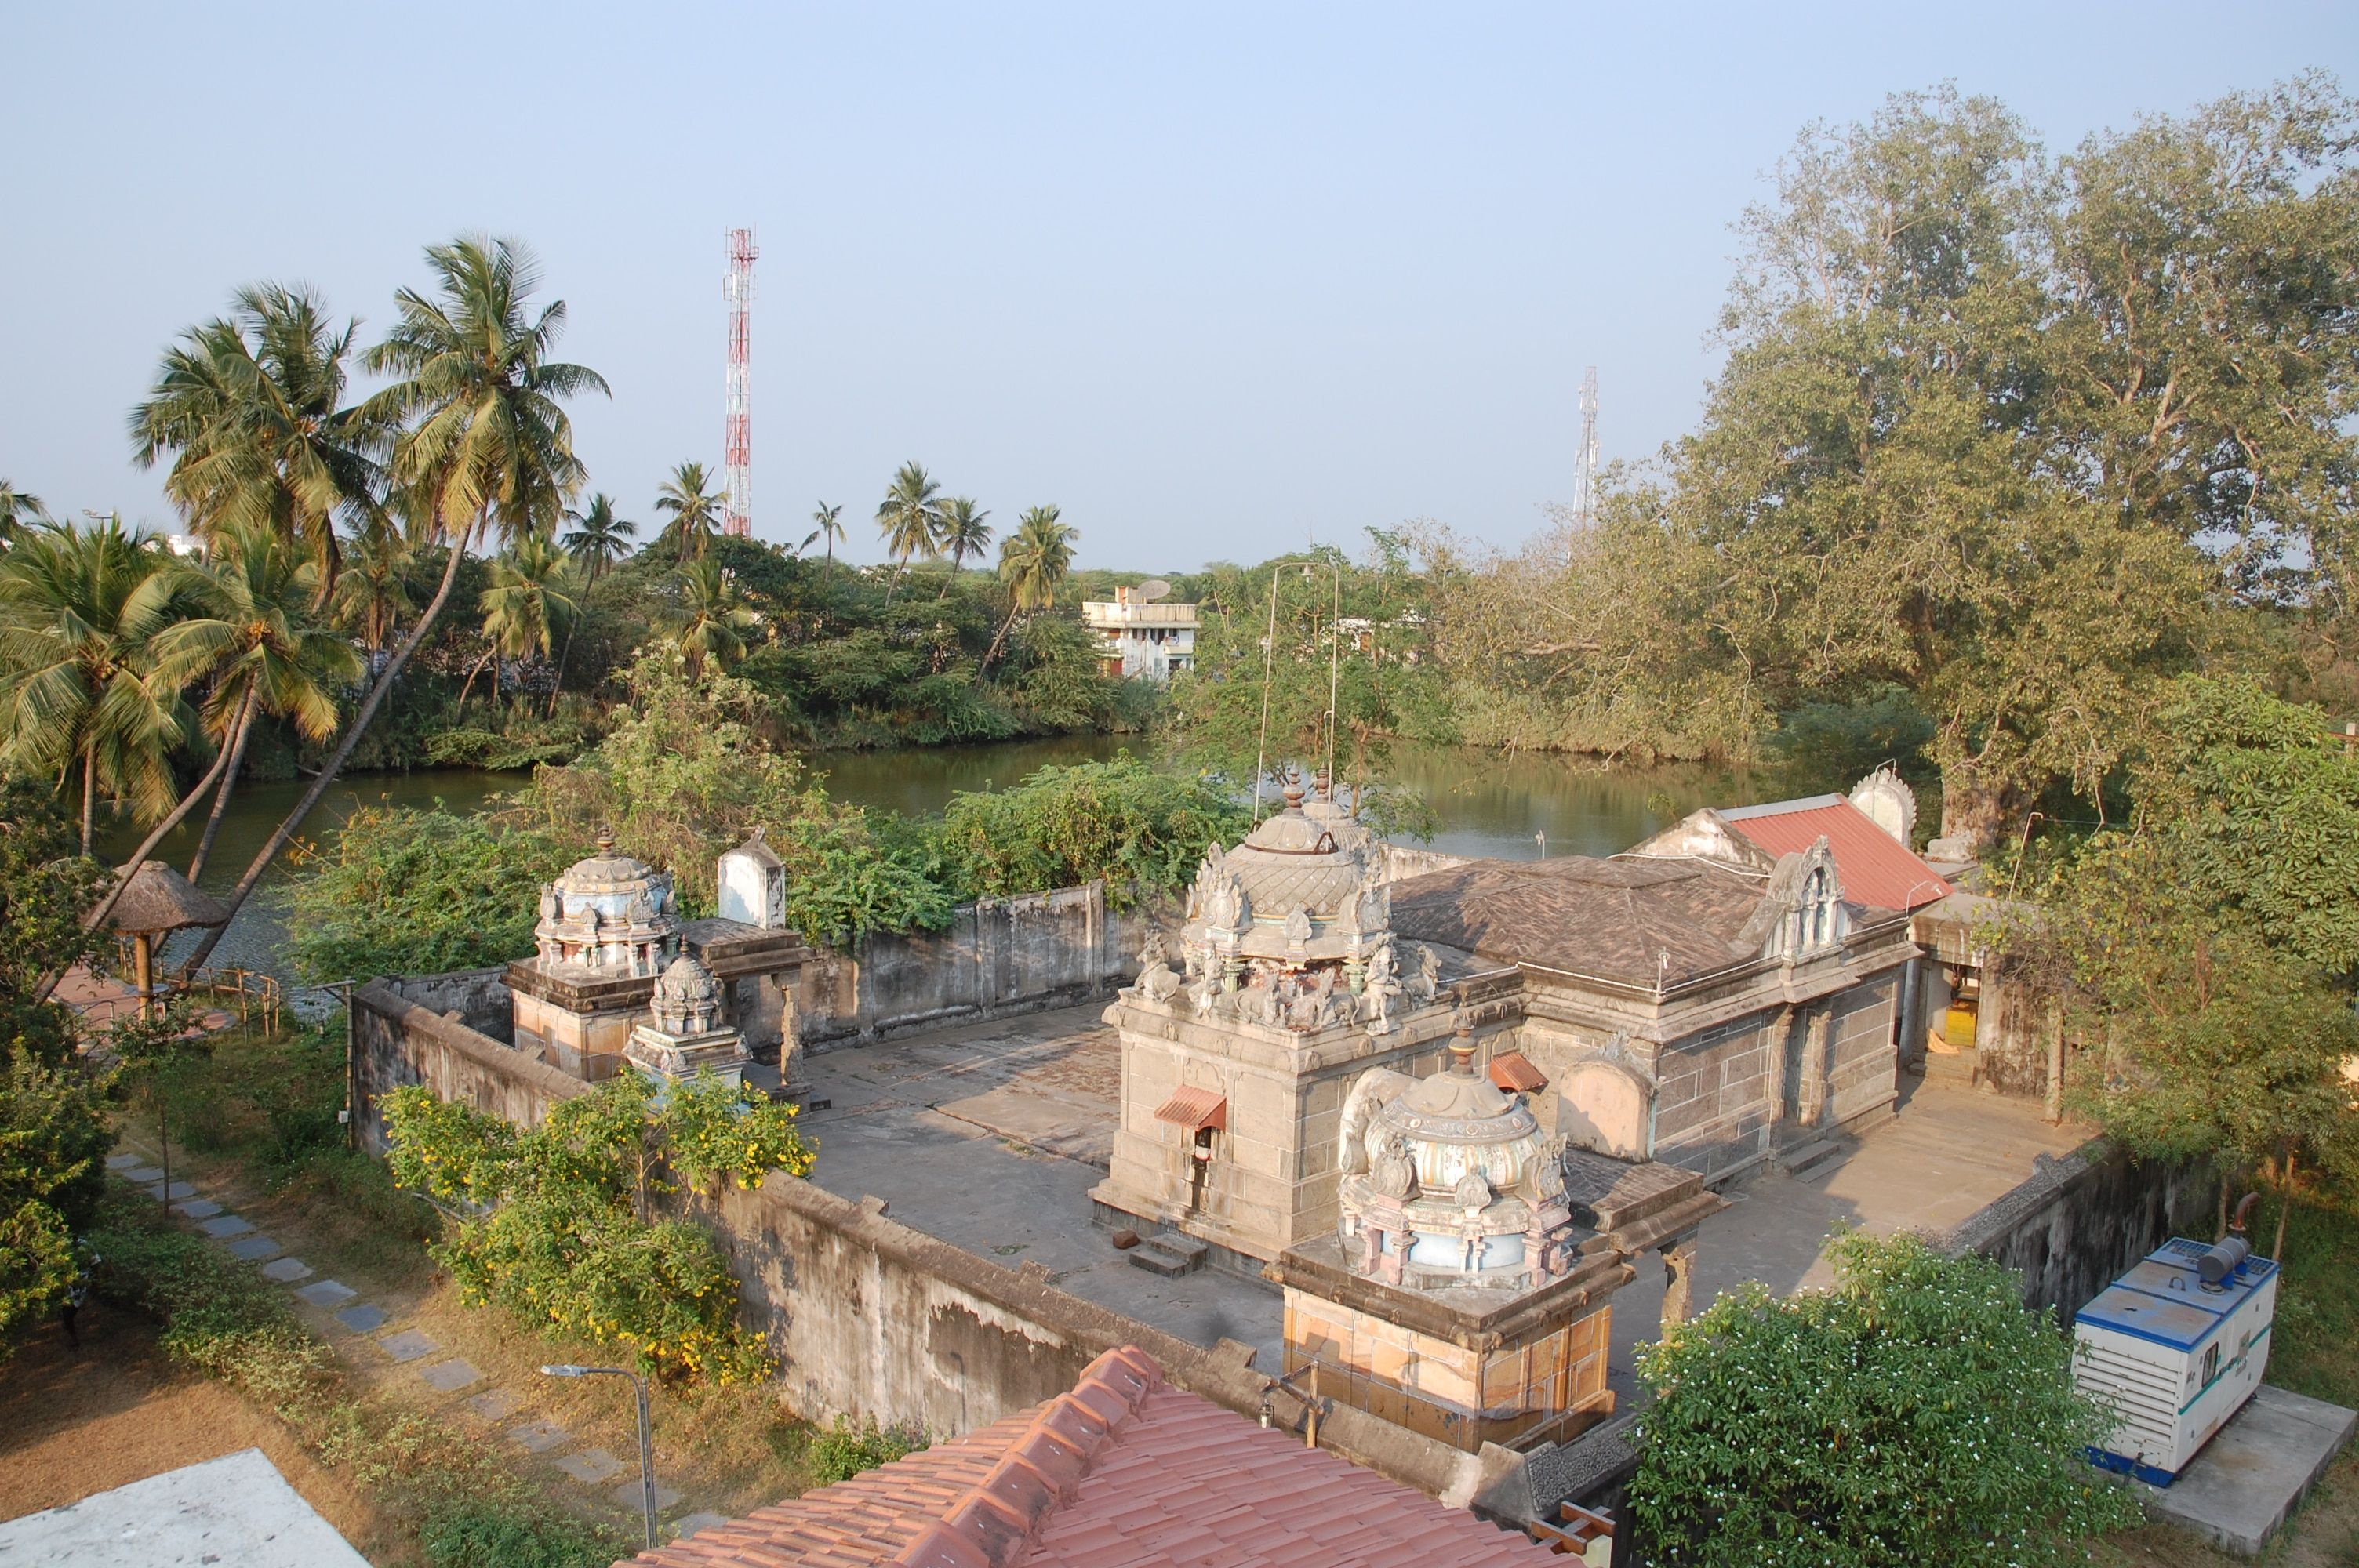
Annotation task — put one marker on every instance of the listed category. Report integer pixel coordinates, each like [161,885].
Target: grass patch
[843,1450]
[2315,1346]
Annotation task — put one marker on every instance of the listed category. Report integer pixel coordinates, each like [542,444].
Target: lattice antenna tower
[1584,473]
[737,431]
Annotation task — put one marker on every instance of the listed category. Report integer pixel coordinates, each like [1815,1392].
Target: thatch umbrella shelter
[159,902]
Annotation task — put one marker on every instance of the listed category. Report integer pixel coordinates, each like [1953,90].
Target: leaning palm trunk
[353,733]
[242,733]
[997,643]
[106,906]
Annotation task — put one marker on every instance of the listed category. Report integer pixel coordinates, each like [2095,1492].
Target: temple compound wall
[868,1317]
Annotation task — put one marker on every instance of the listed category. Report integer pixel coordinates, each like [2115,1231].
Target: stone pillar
[1810,1098]
[1679,1279]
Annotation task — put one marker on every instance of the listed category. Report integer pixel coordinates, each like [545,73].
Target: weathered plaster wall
[1863,1065]
[1717,1094]
[998,956]
[871,1318]
[2078,1223]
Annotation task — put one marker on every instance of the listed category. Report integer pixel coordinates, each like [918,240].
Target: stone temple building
[617,975]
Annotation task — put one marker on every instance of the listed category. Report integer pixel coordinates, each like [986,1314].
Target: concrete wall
[998,956]
[869,1318]
[396,1042]
[2079,1222]
[1718,1094]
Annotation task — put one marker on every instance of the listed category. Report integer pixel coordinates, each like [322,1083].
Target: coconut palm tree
[19,510]
[1032,563]
[253,636]
[534,595]
[599,539]
[910,518]
[827,517]
[965,533]
[706,620]
[483,446]
[250,406]
[373,592]
[695,512]
[80,612]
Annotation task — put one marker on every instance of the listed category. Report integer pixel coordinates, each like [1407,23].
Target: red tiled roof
[1513,1072]
[1193,1109]
[1124,1472]
[1875,868]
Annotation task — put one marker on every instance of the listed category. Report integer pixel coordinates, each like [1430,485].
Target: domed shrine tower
[1463,1290]
[1235,1063]
[610,938]
[683,1034]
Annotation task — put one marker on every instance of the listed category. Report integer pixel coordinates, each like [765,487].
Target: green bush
[1137,828]
[844,1450]
[1914,1413]
[508,1534]
[407,891]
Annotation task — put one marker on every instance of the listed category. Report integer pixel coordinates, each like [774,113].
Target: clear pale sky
[1215,279]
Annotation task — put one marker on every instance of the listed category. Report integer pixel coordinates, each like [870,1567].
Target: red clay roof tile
[1122,1472]
[1873,866]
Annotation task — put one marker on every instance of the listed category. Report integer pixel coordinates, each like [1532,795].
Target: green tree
[253,636]
[1034,562]
[910,518]
[533,595]
[565,1235]
[695,513]
[1915,1413]
[831,527]
[19,510]
[964,534]
[80,612]
[1133,826]
[484,443]
[374,590]
[706,619]
[250,406]
[53,1128]
[600,538]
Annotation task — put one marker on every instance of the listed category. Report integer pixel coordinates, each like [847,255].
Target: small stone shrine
[683,1034]
[610,930]
[1463,1293]
[1236,1063]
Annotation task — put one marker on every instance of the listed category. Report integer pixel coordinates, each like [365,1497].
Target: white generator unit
[2173,1349]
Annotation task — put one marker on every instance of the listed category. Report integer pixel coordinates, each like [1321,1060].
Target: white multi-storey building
[1141,638]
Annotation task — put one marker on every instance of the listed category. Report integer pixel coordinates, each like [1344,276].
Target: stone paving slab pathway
[253,1248]
[495,1404]
[197,1208]
[688,1524]
[179,1189]
[410,1345]
[539,1436]
[285,1270]
[121,1161]
[627,1494]
[362,1317]
[592,1465]
[449,1376]
[221,1228]
[143,1174]
[327,1293]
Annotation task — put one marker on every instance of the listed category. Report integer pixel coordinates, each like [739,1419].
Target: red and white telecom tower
[737,434]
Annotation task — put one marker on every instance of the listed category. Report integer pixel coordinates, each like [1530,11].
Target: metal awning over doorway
[1193,1110]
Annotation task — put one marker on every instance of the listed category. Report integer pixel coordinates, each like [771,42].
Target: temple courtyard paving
[990,1136]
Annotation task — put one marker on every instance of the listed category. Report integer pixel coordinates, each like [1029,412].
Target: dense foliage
[407,891]
[1133,826]
[560,1226]
[2204,955]
[53,1131]
[1913,1414]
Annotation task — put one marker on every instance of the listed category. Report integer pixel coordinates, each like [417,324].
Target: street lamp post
[646,1437]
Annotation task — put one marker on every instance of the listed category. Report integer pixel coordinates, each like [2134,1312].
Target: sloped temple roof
[1875,868]
[1124,1472]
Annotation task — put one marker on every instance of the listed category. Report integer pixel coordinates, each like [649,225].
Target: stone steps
[1805,1159]
[1169,1253]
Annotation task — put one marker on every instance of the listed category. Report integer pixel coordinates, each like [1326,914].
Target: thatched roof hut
[160,899]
